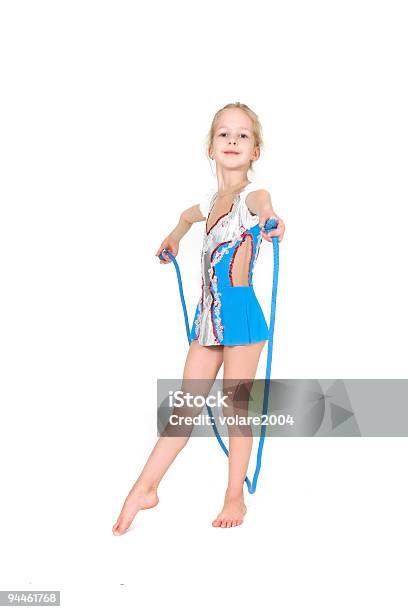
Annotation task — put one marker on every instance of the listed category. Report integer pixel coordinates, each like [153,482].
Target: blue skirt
[233,316]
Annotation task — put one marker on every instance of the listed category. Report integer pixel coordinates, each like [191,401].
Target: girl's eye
[225,133]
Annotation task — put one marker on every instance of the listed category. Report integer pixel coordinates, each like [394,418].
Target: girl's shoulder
[253,186]
[249,219]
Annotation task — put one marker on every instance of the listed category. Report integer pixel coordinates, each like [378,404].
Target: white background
[105,107]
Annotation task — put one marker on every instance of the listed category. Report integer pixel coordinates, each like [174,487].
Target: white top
[240,217]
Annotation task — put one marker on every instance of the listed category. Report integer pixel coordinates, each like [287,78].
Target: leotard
[228,312]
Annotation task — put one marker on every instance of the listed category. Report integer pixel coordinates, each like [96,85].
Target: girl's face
[233,145]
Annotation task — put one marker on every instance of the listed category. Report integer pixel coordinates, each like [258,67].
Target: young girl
[229,326]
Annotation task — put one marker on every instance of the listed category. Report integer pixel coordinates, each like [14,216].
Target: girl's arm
[260,203]
[171,242]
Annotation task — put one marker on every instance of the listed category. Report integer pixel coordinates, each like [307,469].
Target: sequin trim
[215,309]
[219,218]
[244,236]
[258,244]
[199,312]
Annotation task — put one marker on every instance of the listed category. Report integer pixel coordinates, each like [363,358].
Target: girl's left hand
[278,231]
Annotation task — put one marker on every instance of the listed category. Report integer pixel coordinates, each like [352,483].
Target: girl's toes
[228,523]
[115,527]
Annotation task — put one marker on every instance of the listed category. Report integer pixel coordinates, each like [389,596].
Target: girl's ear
[257,152]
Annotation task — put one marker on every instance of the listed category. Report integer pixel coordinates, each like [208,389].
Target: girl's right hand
[170,245]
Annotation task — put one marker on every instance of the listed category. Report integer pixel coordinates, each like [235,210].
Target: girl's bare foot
[139,498]
[232,513]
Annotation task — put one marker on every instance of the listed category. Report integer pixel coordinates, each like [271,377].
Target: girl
[229,326]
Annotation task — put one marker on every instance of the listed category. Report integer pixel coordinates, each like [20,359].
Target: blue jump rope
[269,225]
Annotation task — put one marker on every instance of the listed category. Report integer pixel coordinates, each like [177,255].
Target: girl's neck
[232,189]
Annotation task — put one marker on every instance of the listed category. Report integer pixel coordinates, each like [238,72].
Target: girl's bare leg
[202,362]
[240,363]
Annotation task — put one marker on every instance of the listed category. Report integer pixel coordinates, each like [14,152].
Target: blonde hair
[256,126]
